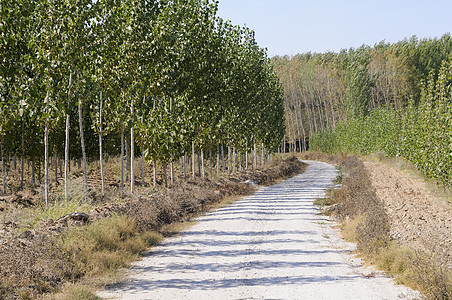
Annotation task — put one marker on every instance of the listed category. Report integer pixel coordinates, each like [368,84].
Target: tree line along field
[394,98]
[84,80]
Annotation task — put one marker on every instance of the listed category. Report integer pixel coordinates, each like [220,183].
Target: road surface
[271,245]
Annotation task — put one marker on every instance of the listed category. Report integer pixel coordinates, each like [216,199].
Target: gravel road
[271,245]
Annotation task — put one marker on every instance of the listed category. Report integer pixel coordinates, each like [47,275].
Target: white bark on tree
[193,159]
[23,155]
[100,147]
[202,165]
[184,166]
[122,161]
[132,150]
[3,169]
[82,141]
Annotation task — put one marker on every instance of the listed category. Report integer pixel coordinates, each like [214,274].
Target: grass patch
[74,291]
[106,245]
[348,228]
[322,202]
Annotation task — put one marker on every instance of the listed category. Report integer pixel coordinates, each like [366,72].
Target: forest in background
[90,79]
[394,98]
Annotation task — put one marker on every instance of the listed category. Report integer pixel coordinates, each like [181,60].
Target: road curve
[271,245]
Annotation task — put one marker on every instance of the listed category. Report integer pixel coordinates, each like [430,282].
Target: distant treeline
[391,97]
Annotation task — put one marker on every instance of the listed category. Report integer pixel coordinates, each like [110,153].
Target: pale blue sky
[291,27]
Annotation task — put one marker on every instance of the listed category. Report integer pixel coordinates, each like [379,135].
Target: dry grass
[74,291]
[365,222]
[106,245]
[77,255]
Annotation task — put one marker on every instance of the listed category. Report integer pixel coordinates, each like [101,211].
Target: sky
[288,27]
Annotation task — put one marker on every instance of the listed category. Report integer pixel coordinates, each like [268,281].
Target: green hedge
[421,133]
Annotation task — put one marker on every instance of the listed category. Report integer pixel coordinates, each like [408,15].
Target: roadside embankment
[398,224]
[95,243]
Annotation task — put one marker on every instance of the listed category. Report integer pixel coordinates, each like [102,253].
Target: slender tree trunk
[122,161]
[82,141]
[193,158]
[172,172]
[199,165]
[184,166]
[23,155]
[100,146]
[55,164]
[3,168]
[255,156]
[154,176]
[284,144]
[229,159]
[46,152]
[222,159]
[202,164]
[246,159]
[46,164]
[126,140]
[142,167]
[132,150]
[263,155]
[165,175]
[67,163]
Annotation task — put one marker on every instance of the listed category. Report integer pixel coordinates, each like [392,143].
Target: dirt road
[271,245]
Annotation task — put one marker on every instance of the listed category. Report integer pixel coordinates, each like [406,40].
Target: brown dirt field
[418,218]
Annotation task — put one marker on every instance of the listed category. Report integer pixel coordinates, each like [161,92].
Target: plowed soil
[418,218]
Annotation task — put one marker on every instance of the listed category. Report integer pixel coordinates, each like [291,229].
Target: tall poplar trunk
[23,155]
[127,158]
[222,159]
[3,168]
[82,141]
[199,165]
[172,172]
[164,175]
[154,175]
[142,166]
[255,156]
[284,144]
[193,158]
[46,164]
[122,161]
[132,150]
[100,146]
[229,159]
[246,159]
[46,152]
[202,164]
[55,164]
[67,163]
[184,166]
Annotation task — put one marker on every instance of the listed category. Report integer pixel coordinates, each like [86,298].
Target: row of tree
[390,97]
[77,77]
